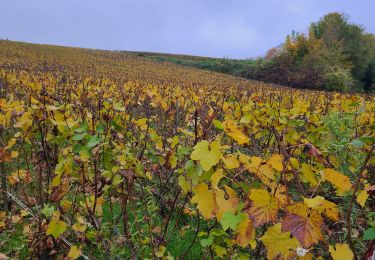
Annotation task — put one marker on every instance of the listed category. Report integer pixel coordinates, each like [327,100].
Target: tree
[334,55]
[335,30]
[331,28]
[337,78]
[369,78]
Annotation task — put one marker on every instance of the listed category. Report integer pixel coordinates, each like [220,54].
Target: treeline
[334,55]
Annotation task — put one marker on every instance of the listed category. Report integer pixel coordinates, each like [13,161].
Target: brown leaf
[264,207]
[313,152]
[371,188]
[5,156]
[245,232]
[59,192]
[305,228]
[3,257]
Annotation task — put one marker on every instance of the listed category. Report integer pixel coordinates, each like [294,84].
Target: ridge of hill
[119,64]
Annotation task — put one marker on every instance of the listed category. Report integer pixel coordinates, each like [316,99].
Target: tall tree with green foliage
[334,55]
[335,30]
[369,78]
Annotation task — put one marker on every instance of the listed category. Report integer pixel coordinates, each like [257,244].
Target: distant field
[129,155]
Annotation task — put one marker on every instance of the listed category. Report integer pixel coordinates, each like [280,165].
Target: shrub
[337,78]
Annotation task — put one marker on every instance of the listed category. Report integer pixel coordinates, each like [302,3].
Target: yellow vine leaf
[233,131]
[267,171]
[298,209]
[279,244]
[232,194]
[56,228]
[307,256]
[222,205]
[263,171]
[208,154]
[99,204]
[245,232]
[294,162]
[25,121]
[340,181]
[231,162]
[225,106]
[205,200]
[184,184]
[362,198]
[280,194]
[142,123]
[264,207]
[323,206]
[61,121]
[308,176]
[342,252]
[276,161]
[304,224]
[219,251]
[243,158]
[254,164]
[18,176]
[173,159]
[74,252]
[80,225]
[216,177]
[11,142]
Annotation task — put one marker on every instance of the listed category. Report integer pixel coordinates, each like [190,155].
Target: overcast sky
[218,28]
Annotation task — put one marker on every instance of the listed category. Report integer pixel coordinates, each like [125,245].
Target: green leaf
[357,143]
[218,124]
[107,174]
[207,241]
[117,179]
[182,150]
[100,128]
[230,220]
[369,234]
[107,159]
[83,128]
[56,228]
[94,140]
[189,167]
[84,154]
[76,148]
[48,210]
[119,107]
[79,137]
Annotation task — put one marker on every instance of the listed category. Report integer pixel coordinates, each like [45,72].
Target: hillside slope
[123,66]
[110,155]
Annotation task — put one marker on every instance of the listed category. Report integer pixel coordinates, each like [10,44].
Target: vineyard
[108,155]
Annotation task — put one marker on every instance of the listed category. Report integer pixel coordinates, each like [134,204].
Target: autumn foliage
[114,155]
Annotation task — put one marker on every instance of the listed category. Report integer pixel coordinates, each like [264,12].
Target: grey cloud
[237,29]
